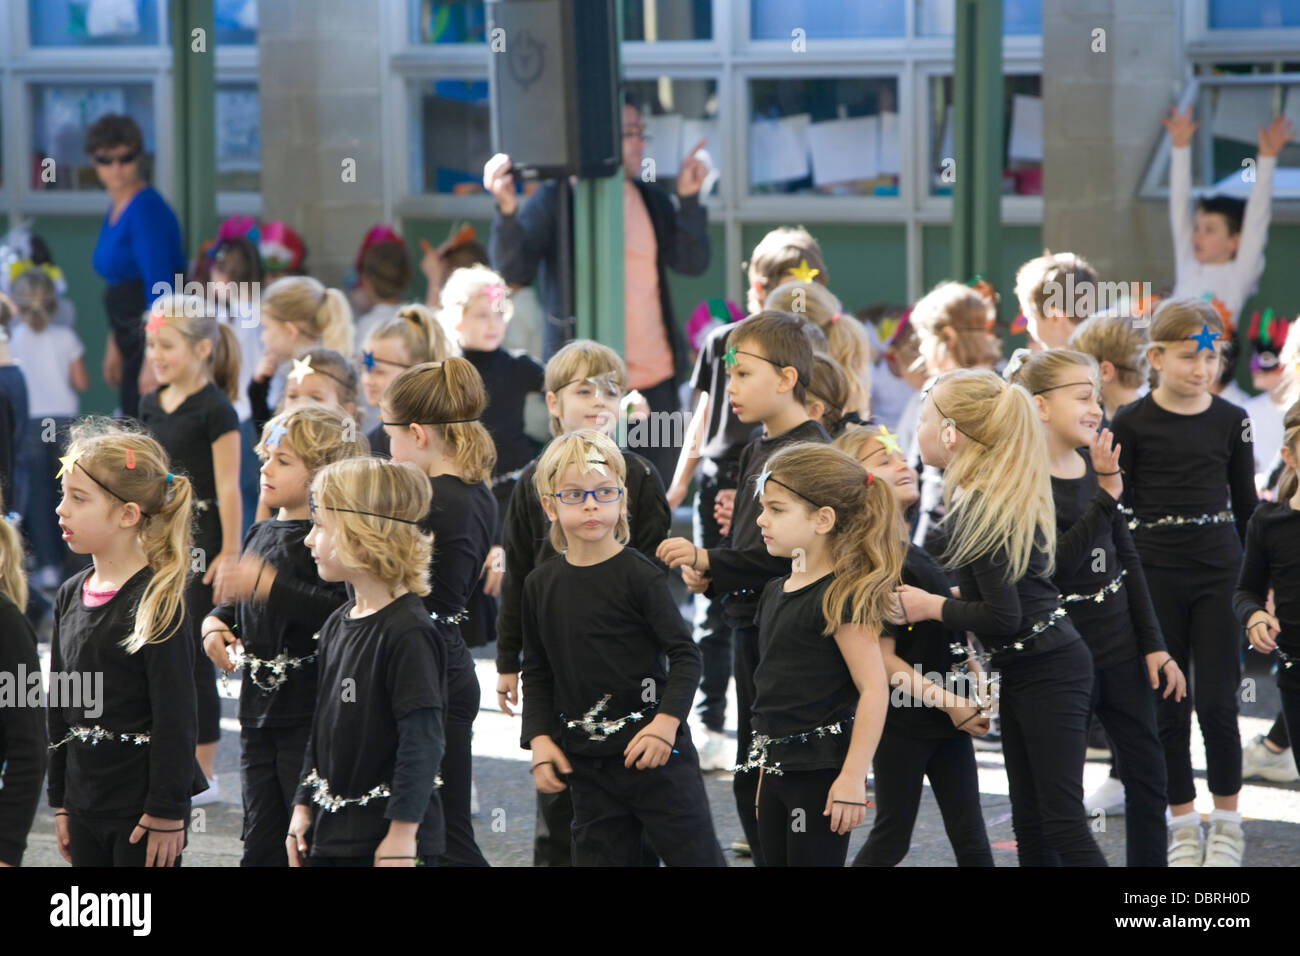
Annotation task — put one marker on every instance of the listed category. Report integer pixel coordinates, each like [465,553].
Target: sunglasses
[121,159]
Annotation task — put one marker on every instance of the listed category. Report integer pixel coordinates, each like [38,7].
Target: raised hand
[1181,126]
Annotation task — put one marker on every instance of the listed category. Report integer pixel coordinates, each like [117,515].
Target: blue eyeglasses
[576,496]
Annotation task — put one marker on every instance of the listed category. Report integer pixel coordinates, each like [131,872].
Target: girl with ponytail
[431,414]
[411,337]
[195,357]
[819,706]
[122,767]
[1001,531]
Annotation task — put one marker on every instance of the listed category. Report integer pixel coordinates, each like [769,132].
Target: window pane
[825,19]
[455,136]
[1253,14]
[236,22]
[1228,134]
[61,114]
[678,114]
[934,18]
[448,21]
[1022,136]
[822,135]
[239,141]
[93,23]
[651,20]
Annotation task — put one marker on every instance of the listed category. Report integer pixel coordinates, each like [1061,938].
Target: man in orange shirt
[658,234]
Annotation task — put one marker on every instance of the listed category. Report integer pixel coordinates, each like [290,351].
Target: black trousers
[791,827]
[553,832]
[712,632]
[901,763]
[270,761]
[662,399]
[125,304]
[198,604]
[1194,606]
[106,841]
[1125,704]
[1045,703]
[356,861]
[457,761]
[616,807]
[1279,733]
[1291,710]
[745,784]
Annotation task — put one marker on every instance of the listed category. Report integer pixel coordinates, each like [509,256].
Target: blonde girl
[847,340]
[819,705]
[1001,532]
[1119,348]
[195,358]
[368,795]
[121,781]
[412,337]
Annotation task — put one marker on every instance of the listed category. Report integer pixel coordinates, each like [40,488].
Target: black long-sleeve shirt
[741,565]
[22,733]
[150,691]
[374,672]
[600,631]
[509,376]
[1273,560]
[1093,546]
[1187,465]
[463,520]
[296,608]
[527,543]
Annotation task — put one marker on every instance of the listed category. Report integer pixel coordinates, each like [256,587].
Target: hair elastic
[170,476]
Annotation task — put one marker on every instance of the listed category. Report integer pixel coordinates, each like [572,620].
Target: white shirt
[46,359]
[248,330]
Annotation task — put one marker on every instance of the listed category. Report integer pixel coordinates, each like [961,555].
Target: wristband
[851,803]
[179,829]
[62,813]
[658,738]
[1167,662]
[978,714]
[399,858]
[1107,474]
[543,763]
[215,630]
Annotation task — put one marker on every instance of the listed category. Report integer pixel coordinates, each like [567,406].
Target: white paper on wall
[778,149]
[890,161]
[1026,129]
[844,150]
[665,146]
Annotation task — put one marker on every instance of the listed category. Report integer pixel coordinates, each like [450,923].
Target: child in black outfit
[120,782]
[376,739]
[819,705]
[599,709]
[272,606]
[1100,576]
[935,704]
[770,360]
[411,337]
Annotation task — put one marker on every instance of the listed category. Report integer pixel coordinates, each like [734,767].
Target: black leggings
[901,764]
[1194,606]
[106,841]
[791,826]
[1291,710]
[198,605]
[1125,704]
[1045,705]
[270,762]
[745,785]
[457,762]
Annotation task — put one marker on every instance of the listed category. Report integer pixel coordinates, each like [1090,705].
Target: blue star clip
[368,360]
[761,483]
[1205,338]
[277,432]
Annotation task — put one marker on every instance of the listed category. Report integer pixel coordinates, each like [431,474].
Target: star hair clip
[368,360]
[761,483]
[1204,339]
[594,461]
[804,273]
[66,464]
[301,369]
[889,441]
[730,360]
[278,431]
[156,321]
[495,293]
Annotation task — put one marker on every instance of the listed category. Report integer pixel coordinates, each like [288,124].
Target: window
[92,23]
[455,138]
[62,112]
[825,19]
[1019,18]
[239,141]
[236,22]
[678,114]
[1022,131]
[1253,14]
[835,136]
[653,21]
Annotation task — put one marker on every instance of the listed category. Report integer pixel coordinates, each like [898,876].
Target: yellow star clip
[301,369]
[66,464]
[888,441]
[804,273]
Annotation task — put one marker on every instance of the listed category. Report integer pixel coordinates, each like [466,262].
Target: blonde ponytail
[13,580]
[225,362]
[321,314]
[450,397]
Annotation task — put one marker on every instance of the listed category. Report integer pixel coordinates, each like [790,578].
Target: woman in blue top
[137,253]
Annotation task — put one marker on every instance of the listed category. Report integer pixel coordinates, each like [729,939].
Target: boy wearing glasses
[603,717]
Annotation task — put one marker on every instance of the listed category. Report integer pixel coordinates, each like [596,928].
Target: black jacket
[523,247]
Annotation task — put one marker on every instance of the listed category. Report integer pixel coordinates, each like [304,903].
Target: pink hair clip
[836,317]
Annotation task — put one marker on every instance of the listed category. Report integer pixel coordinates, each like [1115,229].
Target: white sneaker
[1108,798]
[1186,846]
[473,797]
[718,753]
[1258,761]
[210,795]
[1227,844]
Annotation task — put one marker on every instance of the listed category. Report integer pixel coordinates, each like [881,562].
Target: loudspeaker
[555,86]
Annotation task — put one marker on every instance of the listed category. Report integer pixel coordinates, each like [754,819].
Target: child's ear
[553,404]
[130,516]
[350,408]
[815,408]
[548,505]
[421,435]
[1288,458]
[824,520]
[1042,408]
[1107,371]
[789,378]
[1154,352]
[1234,241]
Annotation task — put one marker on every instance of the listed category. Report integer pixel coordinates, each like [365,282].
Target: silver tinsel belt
[759,745]
[1178,521]
[458,618]
[201,505]
[93,735]
[1050,621]
[1285,659]
[598,730]
[1100,596]
[278,668]
[331,803]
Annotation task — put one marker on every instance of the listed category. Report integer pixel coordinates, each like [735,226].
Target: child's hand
[266,367]
[1263,629]
[397,848]
[499,180]
[723,505]
[216,639]
[431,264]
[295,844]
[1160,662]
[166,839]
[919,605]
[677,494]
[61,838]
[1274,136]
[217,569]
[653,745]
[549,763]
[238,576]
[970,718]
[846,803]
[695,582]
[1105,462]
[1180,125]
[494,570]
[681,552]
[507,692]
